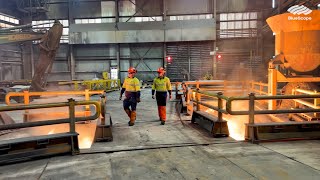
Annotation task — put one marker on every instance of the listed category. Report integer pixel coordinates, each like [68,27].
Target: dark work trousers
[130,102]
[161,98]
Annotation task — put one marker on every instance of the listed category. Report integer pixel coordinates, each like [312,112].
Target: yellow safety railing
[76,84]
[251,98]
[259,87]
[314,105]
[27,94]
[102,84]
[72,119]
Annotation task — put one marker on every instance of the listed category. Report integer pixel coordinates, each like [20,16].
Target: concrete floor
[178,150]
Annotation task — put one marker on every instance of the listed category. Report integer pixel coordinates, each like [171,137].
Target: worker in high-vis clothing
[131,87]
[161,86]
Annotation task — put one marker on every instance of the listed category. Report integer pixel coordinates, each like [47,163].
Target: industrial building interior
[245,78]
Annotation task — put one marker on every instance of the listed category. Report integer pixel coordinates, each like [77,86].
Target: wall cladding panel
[191,58]
[242,5]
[150,8]
[92,66]
[60,66]
[10,71]
[86,9]
[108,8]
[101,50]
[235,63]
[59,77]
[188,7]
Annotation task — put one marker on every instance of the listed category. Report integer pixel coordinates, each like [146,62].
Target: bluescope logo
[297,10]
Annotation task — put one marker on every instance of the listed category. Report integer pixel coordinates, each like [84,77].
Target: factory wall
[92,59]
[11,62]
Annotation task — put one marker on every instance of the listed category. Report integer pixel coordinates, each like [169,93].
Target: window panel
[238,25]
[231,16]
[223,25]
[159,18]
[238,16]
[230,25]
[78,21]
[65,31]
[245,16]
[253,15]
[172,18]
[253,24]
[245,24]
[145,19]
[223,17]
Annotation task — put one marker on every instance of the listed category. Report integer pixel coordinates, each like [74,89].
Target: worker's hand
[120,98]
[153,97]
[138,100]
[170,96]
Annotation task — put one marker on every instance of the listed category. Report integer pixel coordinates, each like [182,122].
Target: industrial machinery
[297,49]
[49,44]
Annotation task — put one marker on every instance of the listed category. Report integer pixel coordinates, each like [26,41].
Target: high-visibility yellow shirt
[161,84]
[131,84]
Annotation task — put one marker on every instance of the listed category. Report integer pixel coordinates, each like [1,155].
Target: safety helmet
[132,70]
[161,70]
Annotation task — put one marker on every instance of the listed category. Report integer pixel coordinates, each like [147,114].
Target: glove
[170,96]
[120,98]
[138,100]
[153,97]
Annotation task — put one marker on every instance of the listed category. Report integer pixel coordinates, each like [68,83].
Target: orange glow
[235,123]
[236,127]
[51,132]
[85,142]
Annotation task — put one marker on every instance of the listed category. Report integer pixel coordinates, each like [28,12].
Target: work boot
[163,122]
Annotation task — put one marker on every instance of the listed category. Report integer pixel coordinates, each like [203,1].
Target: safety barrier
[26,94]
[100,84]
[257,132]
[258,87]
[30,147]
[316,101]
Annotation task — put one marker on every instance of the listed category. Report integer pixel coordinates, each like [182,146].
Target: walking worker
[161,85]
[131,87]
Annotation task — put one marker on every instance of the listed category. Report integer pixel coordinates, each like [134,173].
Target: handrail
[251,112]
[316,101]
[27,94]
[106,84]
[261,86]
[251,98]
[71,118]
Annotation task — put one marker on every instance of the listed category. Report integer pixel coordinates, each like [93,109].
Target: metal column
[214,68]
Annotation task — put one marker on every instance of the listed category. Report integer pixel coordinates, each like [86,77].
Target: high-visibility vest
[161,84]
[131,84]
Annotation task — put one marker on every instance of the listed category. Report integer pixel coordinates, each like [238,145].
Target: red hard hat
[132,70]
[161,70]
